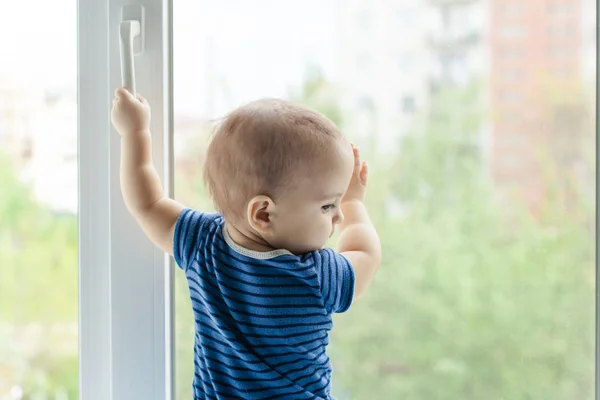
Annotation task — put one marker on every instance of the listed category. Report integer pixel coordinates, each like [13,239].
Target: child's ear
[259,213]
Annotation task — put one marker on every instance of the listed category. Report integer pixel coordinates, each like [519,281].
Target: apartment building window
[511,53]
[406,62]
[560,52]
[445,16]
[512,9]
[510,96]
[511,74]
[512,31]
[407,18]
[364,19]
[560,30]
[512,118]
[365,104]
[559,8]
[561,73]
[509,160]
[454,67]
[408,104]
[363,62]
[510,139]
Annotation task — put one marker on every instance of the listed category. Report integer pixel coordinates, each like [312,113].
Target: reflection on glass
[482,179]
[38,201]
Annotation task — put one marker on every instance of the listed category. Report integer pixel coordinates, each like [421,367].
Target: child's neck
[247,239]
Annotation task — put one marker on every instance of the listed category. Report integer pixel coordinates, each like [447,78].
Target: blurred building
[536,46]
[19,111]
[382,69]
[393,55]
[53,166]
[588,40]
[457,40]
[38,133]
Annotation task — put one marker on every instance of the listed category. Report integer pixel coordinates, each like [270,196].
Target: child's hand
[130,114]
[358,184]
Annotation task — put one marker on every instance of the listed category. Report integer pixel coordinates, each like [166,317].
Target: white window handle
[131,39]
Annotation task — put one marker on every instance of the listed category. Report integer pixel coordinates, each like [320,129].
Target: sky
[231,51]
[258,48]
[247,49]
[39,47]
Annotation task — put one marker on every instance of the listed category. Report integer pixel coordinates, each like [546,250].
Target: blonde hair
[256,149]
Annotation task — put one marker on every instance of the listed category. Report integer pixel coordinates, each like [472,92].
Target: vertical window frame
[125,282]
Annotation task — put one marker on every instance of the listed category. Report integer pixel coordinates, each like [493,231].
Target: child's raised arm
[358,240]
[140,184]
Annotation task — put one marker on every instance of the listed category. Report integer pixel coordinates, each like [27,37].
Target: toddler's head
[279,170]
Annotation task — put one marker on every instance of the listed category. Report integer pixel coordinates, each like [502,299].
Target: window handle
[131,40]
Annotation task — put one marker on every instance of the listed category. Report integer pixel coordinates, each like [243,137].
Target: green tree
[475,299]
[319,94]
[38,285]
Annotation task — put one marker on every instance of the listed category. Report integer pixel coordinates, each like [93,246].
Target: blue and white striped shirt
[262,319]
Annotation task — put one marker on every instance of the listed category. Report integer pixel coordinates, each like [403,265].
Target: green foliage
[36,249]
[318,94]
[38,284]
[479,309]
[184,338]
[441,161]
[474,300]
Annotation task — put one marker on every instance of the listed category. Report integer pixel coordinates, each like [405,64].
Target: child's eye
[327,207]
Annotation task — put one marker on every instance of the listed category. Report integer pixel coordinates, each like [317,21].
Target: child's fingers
[141,99]
[364,172]
[124,94]
[357,163]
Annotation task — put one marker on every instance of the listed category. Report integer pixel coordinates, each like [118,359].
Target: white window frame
[125,282]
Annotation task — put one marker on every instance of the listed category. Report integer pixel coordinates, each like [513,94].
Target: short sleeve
[189,230]
[336,276]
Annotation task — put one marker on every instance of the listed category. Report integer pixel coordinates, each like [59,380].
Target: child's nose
[339,218]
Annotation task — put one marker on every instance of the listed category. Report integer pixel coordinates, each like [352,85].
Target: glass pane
[477,119]
[38,201]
